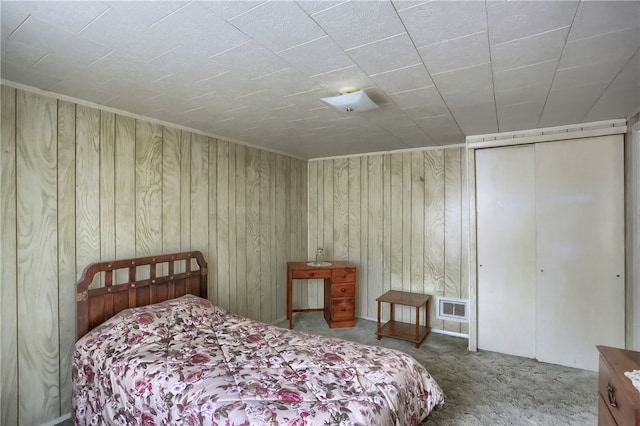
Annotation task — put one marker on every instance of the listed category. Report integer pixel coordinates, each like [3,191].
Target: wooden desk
[401,330]
[339,291]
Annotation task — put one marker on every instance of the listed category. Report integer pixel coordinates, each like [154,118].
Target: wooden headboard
[143,281]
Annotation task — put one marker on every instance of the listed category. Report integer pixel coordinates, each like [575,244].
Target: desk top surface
[404,298]
[335,264]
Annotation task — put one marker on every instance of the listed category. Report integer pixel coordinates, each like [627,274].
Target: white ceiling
[255,71]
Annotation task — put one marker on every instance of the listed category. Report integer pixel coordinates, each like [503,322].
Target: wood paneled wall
[400,218]
[80,185]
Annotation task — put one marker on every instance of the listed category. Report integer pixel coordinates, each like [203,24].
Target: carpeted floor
[484,388]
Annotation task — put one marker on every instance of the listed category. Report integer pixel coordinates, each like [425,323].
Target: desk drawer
[611,392]
[311,274]
[347,275]
[343,290]
[343,309]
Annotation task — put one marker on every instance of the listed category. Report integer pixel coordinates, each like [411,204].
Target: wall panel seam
[135,187]
[444,221]
[15,190]
[58,253]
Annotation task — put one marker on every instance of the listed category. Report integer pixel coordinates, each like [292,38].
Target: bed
[155,351]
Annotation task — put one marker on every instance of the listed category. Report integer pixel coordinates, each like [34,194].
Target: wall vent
[452,309]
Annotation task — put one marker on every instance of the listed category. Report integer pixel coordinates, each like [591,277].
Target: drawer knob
[612,397]
[344,276]
[313,274]
[343,290]
[344,309]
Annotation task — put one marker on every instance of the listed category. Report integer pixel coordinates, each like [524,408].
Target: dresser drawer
[317,273]
[604,415]
[615,402]
[343,290]
[343,275]
[343,309]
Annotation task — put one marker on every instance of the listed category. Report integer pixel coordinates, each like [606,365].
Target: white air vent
[452,309]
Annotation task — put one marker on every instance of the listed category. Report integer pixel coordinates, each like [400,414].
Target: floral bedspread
[188,362]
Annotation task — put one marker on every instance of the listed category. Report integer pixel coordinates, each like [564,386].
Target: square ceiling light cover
[351,102]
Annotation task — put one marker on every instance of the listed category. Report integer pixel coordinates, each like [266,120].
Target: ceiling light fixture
[351,100]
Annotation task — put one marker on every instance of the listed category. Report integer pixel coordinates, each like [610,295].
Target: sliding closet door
[580,249]
[505,186]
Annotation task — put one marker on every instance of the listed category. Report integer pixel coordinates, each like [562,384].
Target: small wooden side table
[401,330]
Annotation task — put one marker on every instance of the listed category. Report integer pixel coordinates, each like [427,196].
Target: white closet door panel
[580,255]
[505,186]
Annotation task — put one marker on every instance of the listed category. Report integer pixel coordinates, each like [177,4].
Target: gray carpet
[484,388]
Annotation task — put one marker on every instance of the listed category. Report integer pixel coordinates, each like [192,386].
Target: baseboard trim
[434,330]
[279,320]
[450,333]
[58,420]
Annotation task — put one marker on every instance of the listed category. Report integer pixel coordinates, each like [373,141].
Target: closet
[550,249]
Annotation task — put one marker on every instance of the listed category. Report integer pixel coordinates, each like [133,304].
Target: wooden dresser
[618,399]
[339,291]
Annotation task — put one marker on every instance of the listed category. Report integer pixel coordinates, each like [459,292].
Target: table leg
[417,326]
[379,328]
[426,315]
[289,302]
